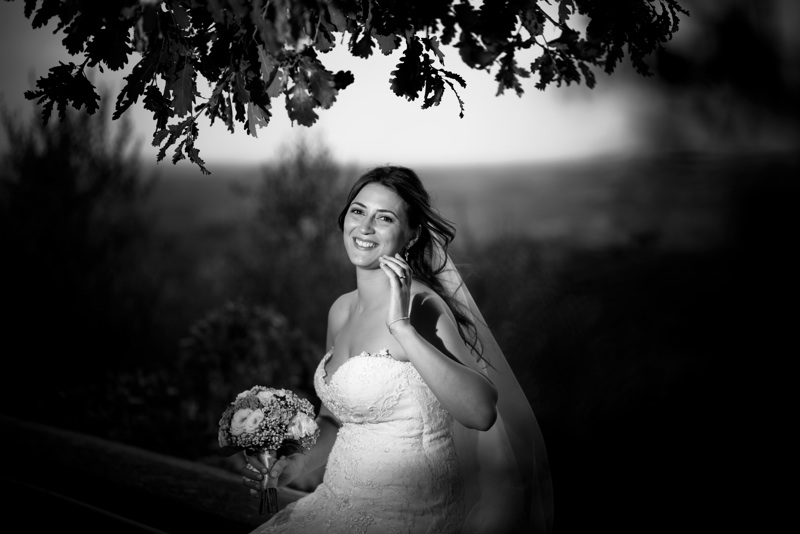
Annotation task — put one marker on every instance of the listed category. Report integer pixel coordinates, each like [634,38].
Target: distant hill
[680,200]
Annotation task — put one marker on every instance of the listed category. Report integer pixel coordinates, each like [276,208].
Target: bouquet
[264,421]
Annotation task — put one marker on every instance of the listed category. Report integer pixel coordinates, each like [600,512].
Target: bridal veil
[506,472]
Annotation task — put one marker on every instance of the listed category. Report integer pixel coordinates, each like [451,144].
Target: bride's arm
[427,332]
[431,342]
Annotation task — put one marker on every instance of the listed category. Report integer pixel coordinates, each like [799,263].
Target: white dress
[393,467]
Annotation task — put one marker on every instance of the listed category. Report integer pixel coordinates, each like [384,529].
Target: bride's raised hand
[400,276]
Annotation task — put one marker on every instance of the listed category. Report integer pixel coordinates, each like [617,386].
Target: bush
[233,348]
[78,284]
[294,257]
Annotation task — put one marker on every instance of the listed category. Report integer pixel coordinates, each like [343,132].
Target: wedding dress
[401,464]
[393,467]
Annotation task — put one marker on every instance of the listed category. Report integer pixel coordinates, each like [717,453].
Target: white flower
[265,397]
[302,425]
[238,420]
[253,421]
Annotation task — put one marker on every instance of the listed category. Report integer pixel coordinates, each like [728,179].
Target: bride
[423,426]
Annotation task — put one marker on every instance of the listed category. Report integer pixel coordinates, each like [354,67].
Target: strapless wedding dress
[393,467]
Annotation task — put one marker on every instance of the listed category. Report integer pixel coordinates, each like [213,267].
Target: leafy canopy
[254,52]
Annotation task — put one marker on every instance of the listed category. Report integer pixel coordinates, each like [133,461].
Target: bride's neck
[372,288]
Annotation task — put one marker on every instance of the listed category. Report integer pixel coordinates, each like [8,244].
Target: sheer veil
[506,471]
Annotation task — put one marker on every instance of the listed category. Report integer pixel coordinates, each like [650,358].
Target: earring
[405,254]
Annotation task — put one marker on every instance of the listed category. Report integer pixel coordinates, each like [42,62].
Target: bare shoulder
[428,303]
[340,311]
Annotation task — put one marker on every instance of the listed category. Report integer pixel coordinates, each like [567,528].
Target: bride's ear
[413,239]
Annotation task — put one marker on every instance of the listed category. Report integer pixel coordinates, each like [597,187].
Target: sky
[369,124]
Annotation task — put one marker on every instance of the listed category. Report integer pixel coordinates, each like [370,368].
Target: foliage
[717,100]
[252,52]
[78,284]
[293,257]
[231,349]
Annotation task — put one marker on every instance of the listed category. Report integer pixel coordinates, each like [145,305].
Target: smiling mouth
[365,244]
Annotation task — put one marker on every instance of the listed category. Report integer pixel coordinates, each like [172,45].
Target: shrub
[78,282]
[294,257]
[233,348]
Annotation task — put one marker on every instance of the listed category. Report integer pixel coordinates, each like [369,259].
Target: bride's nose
[366,226]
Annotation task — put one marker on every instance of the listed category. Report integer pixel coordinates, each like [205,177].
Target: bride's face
[375,225]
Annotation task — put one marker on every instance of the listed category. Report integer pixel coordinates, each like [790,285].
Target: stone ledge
[45,465]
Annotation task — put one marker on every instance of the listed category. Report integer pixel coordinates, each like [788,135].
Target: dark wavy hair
[433,229]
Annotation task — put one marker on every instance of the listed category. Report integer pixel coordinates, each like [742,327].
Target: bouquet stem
[269,486]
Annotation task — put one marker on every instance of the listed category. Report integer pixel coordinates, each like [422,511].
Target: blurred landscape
[639,301]
[630,296]
[645,301]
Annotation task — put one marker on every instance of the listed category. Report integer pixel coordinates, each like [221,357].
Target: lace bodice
[376,388]
[393,467]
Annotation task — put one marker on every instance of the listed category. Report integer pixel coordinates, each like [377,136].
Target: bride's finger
[250,472]
[251,484]
[251,479]
[256,463]
[400,266]
[392,268]
[403,265]
[278,467]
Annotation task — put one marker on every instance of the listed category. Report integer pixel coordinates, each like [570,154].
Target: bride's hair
[435,231]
